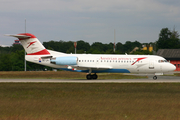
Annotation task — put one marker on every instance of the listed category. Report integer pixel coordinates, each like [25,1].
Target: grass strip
[71,101]
[63,75]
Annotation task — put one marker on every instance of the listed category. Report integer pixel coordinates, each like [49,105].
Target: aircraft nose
[172,67]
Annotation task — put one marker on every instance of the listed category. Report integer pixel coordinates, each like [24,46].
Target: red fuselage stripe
[138,59]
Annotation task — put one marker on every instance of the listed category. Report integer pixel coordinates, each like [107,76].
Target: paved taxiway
[161,79]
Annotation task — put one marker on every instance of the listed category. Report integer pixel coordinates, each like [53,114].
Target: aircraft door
[151,64]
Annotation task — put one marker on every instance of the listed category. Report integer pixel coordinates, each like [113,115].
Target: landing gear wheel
[155,77]
[94,76]
[89,76]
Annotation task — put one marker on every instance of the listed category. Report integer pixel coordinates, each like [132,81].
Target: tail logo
[138,59]
[31,43]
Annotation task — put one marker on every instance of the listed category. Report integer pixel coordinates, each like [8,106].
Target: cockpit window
[162,61]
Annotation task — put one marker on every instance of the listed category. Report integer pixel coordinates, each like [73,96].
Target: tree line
[12,58]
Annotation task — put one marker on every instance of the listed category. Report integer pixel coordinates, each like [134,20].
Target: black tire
[94,76]
[155,77]
[89,76]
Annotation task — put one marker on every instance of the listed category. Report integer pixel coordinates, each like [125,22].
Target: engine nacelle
[69,60]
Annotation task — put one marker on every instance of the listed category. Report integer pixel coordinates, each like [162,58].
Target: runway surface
[161,79]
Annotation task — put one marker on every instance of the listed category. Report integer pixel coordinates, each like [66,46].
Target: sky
[88,20]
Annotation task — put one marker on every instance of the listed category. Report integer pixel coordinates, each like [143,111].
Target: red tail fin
[31,44]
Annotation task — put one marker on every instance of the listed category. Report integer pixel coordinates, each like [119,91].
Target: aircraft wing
[92,67]
[97,67]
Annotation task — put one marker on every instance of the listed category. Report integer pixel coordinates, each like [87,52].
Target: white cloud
[90,20]
[80,5]
[117,6]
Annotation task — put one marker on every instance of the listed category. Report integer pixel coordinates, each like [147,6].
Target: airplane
[92,63]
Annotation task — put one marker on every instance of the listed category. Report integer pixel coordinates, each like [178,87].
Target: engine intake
[69,60]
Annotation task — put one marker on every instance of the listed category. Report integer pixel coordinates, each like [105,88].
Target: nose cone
[168,67]
[171,67]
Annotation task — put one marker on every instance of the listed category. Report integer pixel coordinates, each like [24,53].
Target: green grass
[70,101]
[64,75]
[176,74]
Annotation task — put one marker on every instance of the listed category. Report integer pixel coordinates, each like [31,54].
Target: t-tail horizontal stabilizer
[31,44]
[19,36]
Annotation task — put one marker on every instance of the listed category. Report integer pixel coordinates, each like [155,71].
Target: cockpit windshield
[162,61]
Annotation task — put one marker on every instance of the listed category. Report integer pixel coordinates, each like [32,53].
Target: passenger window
[79,60]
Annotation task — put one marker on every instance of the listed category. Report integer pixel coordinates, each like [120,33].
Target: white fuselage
[96,63]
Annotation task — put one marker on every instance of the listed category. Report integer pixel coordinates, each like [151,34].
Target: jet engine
[68,60]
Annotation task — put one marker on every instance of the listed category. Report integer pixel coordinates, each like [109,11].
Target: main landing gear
[155,77]
[93,76]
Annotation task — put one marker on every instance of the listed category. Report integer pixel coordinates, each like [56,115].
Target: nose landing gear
[93,76]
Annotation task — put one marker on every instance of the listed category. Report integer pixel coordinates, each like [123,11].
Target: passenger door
[151,64]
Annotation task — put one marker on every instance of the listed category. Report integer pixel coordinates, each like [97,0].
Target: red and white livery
[92,63]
